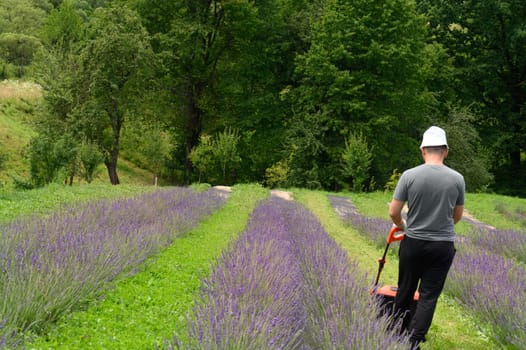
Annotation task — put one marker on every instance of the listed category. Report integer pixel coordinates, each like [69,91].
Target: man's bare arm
[395,212]
[457,213]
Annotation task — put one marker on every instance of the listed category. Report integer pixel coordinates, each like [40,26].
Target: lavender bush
[494,287]
[286,284]
[508,243]
[52,264]
[375,229]
[252,300]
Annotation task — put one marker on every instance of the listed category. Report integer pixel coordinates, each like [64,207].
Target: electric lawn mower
[387,293]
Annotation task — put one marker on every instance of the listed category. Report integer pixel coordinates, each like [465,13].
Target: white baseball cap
[434,136]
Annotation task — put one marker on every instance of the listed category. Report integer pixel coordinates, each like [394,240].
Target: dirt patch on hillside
[14,89]
[282,194]
[474,221]
[223,191]
[226,190]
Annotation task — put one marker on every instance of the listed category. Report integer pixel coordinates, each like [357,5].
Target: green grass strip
[141,311]
[40,201]
[452,328]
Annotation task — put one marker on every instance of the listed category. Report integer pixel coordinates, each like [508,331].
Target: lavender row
[374,228]
[285,284]
[340,312]
[252,300]
[52,264]
[494,287]
[508,243]
[488,279]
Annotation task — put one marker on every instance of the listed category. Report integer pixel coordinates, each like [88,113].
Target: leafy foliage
[63,27]
[361,74]
[217,157]
[467,154]
[18,49]
[356,159]
[21,16]
[294,77]
[486,41]
[90,158]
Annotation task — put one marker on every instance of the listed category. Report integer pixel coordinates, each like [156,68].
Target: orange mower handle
[393,237]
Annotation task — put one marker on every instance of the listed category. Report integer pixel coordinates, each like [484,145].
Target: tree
[20,17]
[202,157]
[48,156]
[356,161]
[190,34]
[216,157]
[90,158]
[148,145]
[487,43]
[63,27]
[18,49]
[113,62]
[225,63]
[468,156]
[362,73]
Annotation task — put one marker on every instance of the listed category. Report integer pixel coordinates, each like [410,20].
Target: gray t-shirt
[431,193]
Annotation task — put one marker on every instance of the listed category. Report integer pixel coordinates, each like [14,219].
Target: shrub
[277,175]
[356,161]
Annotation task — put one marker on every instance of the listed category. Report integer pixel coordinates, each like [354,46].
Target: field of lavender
[184,269]
[55,263]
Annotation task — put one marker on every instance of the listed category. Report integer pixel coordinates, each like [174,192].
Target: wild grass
[19,90]
[495,210]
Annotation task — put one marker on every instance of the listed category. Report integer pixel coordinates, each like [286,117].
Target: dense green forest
[322,94]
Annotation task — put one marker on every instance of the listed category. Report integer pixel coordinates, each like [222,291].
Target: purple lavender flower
[504,242]
[494,287]
[375,229]
[253,297]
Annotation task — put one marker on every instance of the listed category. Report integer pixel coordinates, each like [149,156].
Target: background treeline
[331,94]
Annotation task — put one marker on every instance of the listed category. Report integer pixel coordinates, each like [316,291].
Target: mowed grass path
[141,311]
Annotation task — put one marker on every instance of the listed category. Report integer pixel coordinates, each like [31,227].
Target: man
[434,194]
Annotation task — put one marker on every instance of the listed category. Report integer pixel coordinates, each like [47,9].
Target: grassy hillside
[19,105]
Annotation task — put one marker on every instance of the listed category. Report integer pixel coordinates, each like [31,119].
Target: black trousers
[427,262]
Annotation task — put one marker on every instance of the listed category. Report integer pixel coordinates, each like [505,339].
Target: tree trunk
[111,165]
[515,157]
[111,161]
[193,128]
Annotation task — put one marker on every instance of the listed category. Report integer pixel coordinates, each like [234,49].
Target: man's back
[431,192]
